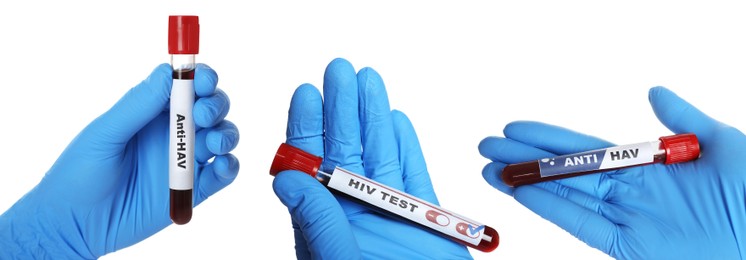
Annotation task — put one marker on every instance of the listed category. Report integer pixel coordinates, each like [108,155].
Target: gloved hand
[692,210]
[355,114]
[109,188]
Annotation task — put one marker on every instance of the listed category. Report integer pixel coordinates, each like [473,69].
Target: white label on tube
[626,155]
[601,159]
[181,134]
[407,206]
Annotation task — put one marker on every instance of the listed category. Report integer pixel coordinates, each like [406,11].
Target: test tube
[388,200]
[667,149]
[183,44]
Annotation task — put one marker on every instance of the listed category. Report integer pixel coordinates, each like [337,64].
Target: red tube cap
[680,148]
[291,158]
[183,34]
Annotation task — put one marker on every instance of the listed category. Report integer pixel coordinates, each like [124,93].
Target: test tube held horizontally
[387,200]
[667,149]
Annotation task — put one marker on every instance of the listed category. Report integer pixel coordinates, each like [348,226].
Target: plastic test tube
[183,44]
[388,200]
[667,149]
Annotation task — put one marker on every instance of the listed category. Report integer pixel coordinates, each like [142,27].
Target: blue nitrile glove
[355,114]
[692,210]
[109,188]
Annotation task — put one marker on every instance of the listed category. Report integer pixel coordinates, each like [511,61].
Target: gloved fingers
[596,185]
[134,110]
[211,110]
[301,246]
[402,240]
[215,176]
[201,153]
[559,140]
[503,151]
[507,151]
[510,151]
[380,159]
[342,126]
[554,139]
[491,173]
[626,187]
[587,225]
[323,224]
[205,80]
[218,140]
[580,198]
[625,216]
[679,116]
[414,170]
[305,129]
[222,138]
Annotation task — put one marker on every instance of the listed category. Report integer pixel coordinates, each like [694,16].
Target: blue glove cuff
[27,233]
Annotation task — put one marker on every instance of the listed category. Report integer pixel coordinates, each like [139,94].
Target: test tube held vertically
[183,45]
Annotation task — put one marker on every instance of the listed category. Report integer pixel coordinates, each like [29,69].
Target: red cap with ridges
[183,34]
[680,148]
[291,158]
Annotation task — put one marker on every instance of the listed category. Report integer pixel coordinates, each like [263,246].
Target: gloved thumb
[679,116]
[324,231]
[135,109]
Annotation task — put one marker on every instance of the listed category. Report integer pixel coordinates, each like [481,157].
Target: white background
[460,71]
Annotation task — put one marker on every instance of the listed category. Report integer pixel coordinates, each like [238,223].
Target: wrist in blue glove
[109,188]
[355,129]
[693,210]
